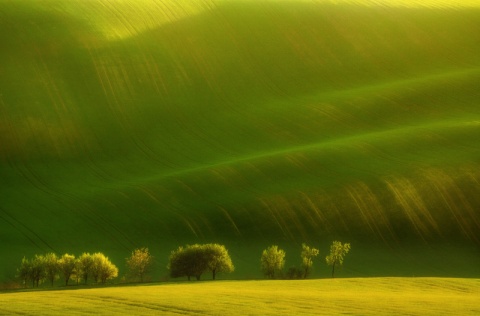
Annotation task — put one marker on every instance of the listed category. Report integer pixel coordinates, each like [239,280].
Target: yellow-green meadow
[364,296]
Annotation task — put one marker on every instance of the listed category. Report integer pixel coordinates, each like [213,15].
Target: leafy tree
[187,261]
[108,271]
[51,267]
[24,272]
[84,266]
[337,252]
[140,263]
[272,261]
[307,256]
[217,259]
[37,270]
[67,266]
[194,260]
[177,263]
[102,268]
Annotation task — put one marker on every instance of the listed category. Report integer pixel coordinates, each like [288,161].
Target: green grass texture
[127,124]
[357,296]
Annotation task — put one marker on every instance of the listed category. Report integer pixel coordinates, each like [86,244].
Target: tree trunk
[213,274]
[333,270]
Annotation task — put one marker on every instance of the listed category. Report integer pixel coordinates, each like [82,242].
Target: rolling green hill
[144,123]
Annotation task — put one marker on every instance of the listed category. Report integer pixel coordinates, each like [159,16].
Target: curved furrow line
[371,138]
[26,231]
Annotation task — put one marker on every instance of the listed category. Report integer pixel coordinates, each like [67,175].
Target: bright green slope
[155,123]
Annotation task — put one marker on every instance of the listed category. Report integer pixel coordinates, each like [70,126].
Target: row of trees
[188,261]
[194,260]
[272,260]
[50,267]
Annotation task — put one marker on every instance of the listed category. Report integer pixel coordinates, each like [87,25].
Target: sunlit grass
[126,18]
[409,3]
[378,296]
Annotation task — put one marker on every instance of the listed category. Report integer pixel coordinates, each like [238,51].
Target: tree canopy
[272,261]
[194,260]
[67,265]
[49,267]
[139,263]
[307,256]
[337,253]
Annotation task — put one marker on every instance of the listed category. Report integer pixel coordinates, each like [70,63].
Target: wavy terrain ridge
[145,123]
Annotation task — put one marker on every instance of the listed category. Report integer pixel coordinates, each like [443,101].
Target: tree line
[186,261]
[50,267]
[272,260]
[194,260]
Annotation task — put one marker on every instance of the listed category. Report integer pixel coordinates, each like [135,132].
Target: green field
[373,296]
[144,123]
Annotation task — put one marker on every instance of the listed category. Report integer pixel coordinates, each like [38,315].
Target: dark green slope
[247,122]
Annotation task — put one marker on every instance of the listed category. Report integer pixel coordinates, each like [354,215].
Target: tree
[217,259]
[108,271]
[177,263]
[272,261]
[67,266]
[84,266]
[102,268]
[337,252]
[24,272]
[307,256]
[140,263]
[51,267]
[37,270]
[187,261]
[194,260]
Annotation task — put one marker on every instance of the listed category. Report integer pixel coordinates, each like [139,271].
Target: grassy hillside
[137,123]
[375,296]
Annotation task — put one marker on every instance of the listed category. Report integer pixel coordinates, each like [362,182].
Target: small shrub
[294,273]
